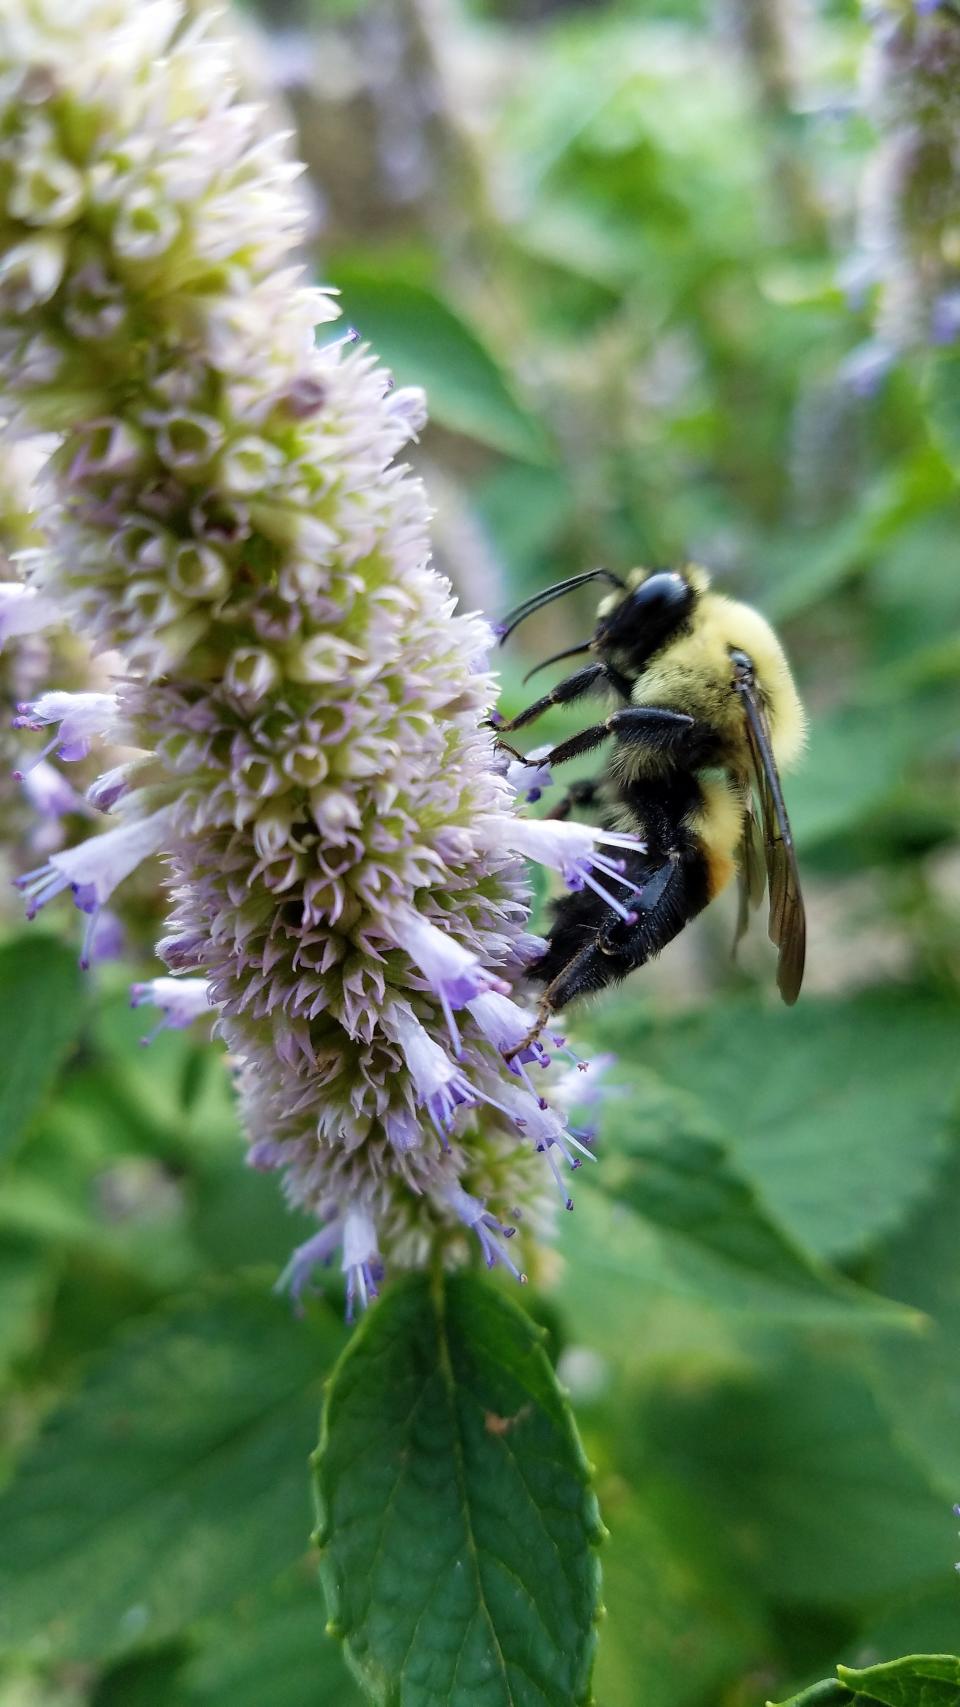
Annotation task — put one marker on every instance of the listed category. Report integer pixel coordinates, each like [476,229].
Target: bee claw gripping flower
[348,886]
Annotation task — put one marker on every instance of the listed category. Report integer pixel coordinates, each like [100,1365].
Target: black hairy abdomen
[672,871]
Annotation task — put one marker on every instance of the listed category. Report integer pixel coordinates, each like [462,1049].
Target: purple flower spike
[572,849]
[309,746]
[314,1253]
[506,1025]
[489,1231]
[110,787]
[24,611]
[107,939]
[266,1155]
[403,1130]
[361,1260]
[180,1000]
[440,1086]
[454,974]
[83,718]
[94,869]
[51,794]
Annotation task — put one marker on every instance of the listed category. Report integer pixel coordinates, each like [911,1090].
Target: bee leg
[585,742]
[514,752]
[671,734]
[571,688]
[673,894]
[543,1018]
[615,950]
[591,945]
[584,971]
[583,793]
[589,971]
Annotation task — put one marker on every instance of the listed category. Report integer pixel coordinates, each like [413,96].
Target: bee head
[654,606]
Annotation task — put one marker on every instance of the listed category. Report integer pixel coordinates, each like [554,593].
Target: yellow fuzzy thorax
[694,674]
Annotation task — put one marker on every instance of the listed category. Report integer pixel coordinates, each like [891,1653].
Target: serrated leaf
[836,1112]
[612,1254]
[662,1161]
[42,1003]
[425,342]
[456,1519]
[171,1482]
[920,1680]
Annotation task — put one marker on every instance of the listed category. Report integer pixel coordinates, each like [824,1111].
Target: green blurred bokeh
[608,239]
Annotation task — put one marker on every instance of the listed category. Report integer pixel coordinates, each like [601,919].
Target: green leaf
[827,1694]
[271,1651]
[84,1183]
[662,1161]
[173,1480]
[920,1388]
[803,1474]
[836,1112]
[921,1680]
[664,1578]
[943,404]
[152,1679]
[41,1010]
[425,342]
[456,1520]
[626,1305]
[26,1280]
[856,762]
[618,1264]
[918,1623]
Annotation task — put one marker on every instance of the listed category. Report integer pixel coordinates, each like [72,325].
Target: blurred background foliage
[611,240]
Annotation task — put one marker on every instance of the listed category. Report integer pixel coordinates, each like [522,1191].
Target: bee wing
[787,922]
[751,873]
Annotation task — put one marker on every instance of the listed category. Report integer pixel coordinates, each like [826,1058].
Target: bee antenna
[571,652]
[538,600]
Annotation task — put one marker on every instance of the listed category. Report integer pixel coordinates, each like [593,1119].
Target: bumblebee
[704,715]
